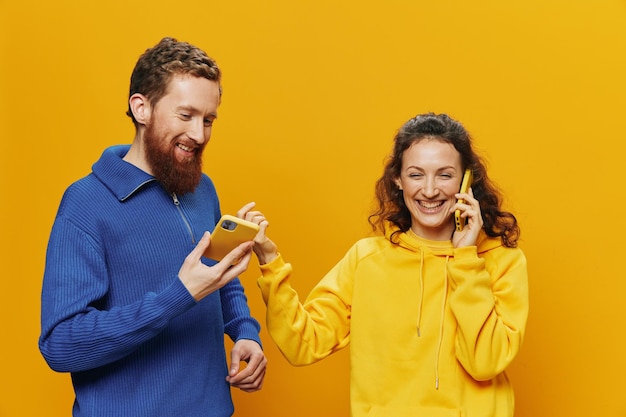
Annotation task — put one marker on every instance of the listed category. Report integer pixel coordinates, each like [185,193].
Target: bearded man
[129,305]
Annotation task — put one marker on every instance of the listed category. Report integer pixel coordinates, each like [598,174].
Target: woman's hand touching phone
[264,248]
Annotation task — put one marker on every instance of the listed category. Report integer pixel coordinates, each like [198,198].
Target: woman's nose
[430,188]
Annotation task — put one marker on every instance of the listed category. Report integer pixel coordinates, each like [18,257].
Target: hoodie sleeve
[489,299]
[306,333]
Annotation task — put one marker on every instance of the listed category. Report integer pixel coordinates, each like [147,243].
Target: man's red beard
[175,176]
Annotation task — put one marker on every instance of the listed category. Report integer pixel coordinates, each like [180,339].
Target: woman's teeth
[430,204]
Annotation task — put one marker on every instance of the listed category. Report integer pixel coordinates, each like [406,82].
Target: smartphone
[229,233]
[465,185]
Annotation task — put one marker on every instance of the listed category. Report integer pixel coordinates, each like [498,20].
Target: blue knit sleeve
[76,333]
[238,323]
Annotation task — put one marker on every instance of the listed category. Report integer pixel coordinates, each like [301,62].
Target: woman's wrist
[266,258]
[266,252]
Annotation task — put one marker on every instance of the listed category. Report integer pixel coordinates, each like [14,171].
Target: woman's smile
[429,179]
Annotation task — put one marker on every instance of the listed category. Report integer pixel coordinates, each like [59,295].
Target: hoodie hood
[409,240]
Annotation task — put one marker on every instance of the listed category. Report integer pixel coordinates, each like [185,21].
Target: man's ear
[140,107]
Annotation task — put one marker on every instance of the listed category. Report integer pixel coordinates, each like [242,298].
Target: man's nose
[198,132]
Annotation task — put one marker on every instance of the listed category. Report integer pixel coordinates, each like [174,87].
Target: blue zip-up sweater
[114,312]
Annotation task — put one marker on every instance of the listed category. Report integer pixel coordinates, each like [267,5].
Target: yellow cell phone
[466,183]
[229,233]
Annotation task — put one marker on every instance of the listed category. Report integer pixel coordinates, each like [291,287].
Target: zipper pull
[176,202]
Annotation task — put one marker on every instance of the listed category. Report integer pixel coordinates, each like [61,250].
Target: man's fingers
[203,244]
[234,256]
[236,261]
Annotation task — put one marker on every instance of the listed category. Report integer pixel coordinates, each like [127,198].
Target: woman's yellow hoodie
[431,328]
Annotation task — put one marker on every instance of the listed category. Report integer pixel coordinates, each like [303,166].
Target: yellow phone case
[229,233]
[465,185]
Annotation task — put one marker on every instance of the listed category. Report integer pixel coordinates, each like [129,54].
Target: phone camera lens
[228,225]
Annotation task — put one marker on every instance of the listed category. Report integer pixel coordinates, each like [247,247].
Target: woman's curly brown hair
[391,207]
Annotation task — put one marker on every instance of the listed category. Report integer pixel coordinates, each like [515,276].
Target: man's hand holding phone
[201,280]
[230,231]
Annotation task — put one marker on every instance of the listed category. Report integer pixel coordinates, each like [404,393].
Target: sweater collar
[119,176]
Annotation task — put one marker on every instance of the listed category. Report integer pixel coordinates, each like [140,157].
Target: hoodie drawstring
[443,316]
[421,300]
[443,310]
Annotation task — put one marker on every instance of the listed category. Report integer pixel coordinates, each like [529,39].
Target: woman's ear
[140,107]
[398,183]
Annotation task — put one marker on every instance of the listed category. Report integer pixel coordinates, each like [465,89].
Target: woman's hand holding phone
[469,209]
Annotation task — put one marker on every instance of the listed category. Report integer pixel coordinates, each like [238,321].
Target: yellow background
[314,91]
